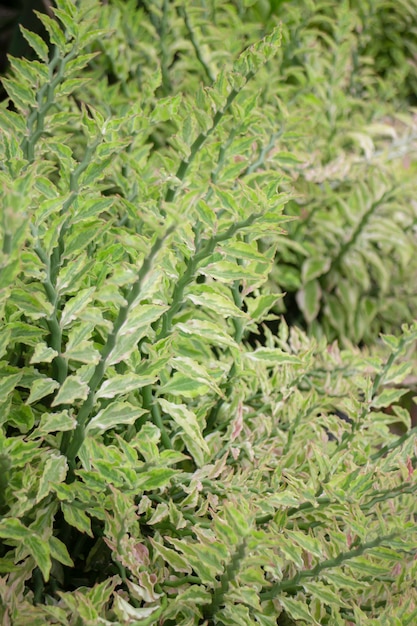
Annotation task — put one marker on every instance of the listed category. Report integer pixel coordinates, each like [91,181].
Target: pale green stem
[196,45]
[341,559]
[201,139]
[72,442]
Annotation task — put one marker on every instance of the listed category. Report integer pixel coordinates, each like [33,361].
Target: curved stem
[71,445]
[296,582]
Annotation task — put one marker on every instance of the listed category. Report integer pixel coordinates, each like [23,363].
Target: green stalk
[196,45]
[71,442]
[201,139]
[349,243]
[265,150]
[213,241]
[188,275]
[36,128]
[192,266]
[389,447]
[153,407]
[177,300]
[379,378]
[228,575]
[295,583]
[166,80]
[53,264]
[324,502]
[238,325]
[55,340]
[45,100]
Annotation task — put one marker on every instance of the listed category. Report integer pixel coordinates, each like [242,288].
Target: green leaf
[188,422]
[195,371]
[36,43]
[284,498]
[96,171]
[55,471]
[206,560]
[132,331]
[59,552]
[315,267]
[343,580]
[21,416]
[166,109]
[297,610]
[387,397]
[33,304]
[308,543]
[391,341]
[364,566]
[260,306]
[8,274]
[181,385]
[75,306]
[226,271]
[76,517]
[22,96]
[12,122]
[56,422]
[4,340]
[41,552]
[291,552]
[83,235]
[287,158]
[81,60]
[83,351]
[55,33]
[242,250]
[173,558]
[114,414]
[8,565]
[308,300]
[210,299]
[29,72]
[155,478]
[122,384]
[41,387]
[73,388]
[208,331]
[43,354]
[237,519]
[7,385]
[325,594]
[206,214]
[92,207]
[131,615]
[272,356]
[397,373]
[225,532]
[13,529]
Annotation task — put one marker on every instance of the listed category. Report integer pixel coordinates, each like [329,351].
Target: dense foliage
[207,221]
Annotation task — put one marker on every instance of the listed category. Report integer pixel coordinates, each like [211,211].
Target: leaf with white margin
[188,422]
[124,383]
[115,414]
[272,356]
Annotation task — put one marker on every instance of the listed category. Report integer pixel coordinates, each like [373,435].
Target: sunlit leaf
[113,415]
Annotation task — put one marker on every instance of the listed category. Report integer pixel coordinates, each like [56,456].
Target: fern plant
[154,466]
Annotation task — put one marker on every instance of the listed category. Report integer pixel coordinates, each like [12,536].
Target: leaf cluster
[156,466]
